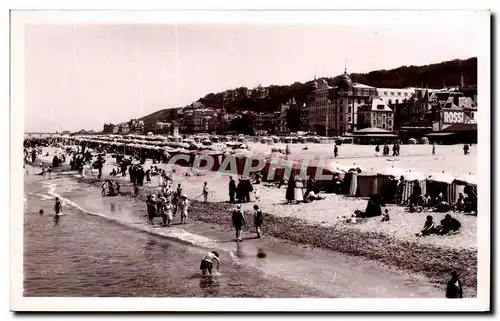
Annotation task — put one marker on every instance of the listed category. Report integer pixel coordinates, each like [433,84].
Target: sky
[80,76]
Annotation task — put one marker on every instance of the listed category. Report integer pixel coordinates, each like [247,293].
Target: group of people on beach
[386,149]
[167,204]
[240,192]
[449,225]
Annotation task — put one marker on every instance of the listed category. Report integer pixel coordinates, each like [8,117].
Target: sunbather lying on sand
[311,196]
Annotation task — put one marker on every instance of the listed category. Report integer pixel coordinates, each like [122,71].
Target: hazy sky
[81,76]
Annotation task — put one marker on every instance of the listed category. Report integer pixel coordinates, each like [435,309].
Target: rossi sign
[453,117]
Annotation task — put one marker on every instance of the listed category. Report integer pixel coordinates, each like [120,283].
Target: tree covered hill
[433,76]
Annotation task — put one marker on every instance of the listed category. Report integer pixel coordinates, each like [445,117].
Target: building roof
[451,106]
[466,102]
[359,85]
[460,128]
[379,102]
[372,130]
[345,82]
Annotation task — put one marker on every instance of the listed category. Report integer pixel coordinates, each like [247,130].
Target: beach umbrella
[392,171]
[412,176]
[441,178]
[467,179]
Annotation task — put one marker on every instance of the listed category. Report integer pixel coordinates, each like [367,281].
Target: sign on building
[453,117]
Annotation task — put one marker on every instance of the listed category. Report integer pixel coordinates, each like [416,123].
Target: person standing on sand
[57,210]
[434,148]
[232,189]
[167,217]
[466,149]
[151,206]
[335,151]
[298,190]
[454,287]
[183,207]
[238,222]
[290,190]
[205,192]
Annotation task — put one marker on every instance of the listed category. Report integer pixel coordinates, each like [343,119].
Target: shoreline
[433,262]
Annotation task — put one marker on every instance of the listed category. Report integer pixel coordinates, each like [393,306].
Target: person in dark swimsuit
[57,210]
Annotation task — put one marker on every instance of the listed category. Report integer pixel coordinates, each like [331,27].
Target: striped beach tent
[410,180]
[387,180]
[442,183]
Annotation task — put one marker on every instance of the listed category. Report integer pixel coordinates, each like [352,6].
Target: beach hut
[410,179]
[442,183]
[387,180]
[466,184]
[367,183]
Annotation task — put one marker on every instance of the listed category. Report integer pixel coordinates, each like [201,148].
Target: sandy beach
[318,224]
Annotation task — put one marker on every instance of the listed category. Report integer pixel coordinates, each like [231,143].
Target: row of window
[393,94]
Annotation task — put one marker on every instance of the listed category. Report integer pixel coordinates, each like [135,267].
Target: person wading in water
[57,210]
[238,222]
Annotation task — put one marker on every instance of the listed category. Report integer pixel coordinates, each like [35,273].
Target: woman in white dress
[299,191]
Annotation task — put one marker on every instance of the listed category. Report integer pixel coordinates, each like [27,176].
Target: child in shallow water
[207,262]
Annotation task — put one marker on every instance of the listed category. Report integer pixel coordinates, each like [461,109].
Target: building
[333,111]
[110,129]
[123,128]
[162,127]
[282,123]
[200,120]
[136,126]
[264,121]
[375,114]
[318,105]
[395,96]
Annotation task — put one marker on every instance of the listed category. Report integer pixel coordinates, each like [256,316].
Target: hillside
[434,76]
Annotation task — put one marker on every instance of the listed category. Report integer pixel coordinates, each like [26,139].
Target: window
[349,119]
[349,109]
[390,101]
[385,93]
[359,100]
[397,101]
[406,94]
[399,93]
[392,93]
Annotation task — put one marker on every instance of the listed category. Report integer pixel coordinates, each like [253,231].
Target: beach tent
[367,183]
[442,183]
[410,179]
[424,140]
[412,141]
[387,180]
[466,182]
